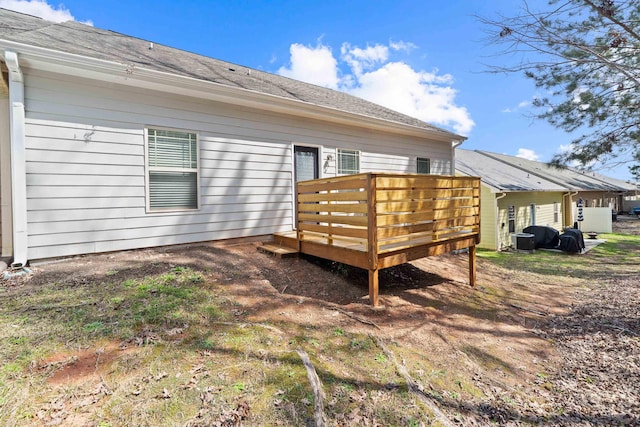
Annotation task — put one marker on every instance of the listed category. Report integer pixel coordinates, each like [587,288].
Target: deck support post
[472,265]
[373,287]
[372,238]
[296,219]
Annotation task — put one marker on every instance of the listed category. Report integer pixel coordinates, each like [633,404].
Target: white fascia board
[92,68]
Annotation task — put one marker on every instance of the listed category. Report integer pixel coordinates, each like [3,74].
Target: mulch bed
[599,341]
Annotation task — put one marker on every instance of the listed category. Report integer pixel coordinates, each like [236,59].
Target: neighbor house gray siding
[86,165]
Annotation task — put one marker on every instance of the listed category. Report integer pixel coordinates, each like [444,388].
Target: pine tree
[584,56]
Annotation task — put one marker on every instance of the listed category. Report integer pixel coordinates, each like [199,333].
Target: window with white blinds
[172,164]
[423,165]
[348,162]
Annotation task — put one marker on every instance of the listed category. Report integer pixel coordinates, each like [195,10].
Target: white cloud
[41,9]
[402,46]
[368,73]
[363,59]
[521,105]
[566,149]
[312,65]
[416,93]
[525,153]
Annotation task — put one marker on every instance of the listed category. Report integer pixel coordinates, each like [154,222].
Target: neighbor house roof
[499,176]
[628,186]
[502,172]
[79,39]
[568,178]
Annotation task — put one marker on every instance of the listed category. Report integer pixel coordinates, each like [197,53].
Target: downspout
[454,145]
[498,228]
[18,161]
[5,172]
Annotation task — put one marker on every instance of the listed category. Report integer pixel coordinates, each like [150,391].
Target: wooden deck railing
[378,220]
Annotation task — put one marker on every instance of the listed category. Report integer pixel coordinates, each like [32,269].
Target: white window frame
[418,159]
[339,152]
[149,169]
[511,218]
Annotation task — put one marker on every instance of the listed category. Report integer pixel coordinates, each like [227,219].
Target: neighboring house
[518,192]
[631,201]
[595,190]
[627,197]
[109,142]
[511,199]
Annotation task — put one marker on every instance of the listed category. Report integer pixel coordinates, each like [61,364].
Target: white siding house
[115,154]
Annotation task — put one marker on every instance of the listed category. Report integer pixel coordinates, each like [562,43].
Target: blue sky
[424,58]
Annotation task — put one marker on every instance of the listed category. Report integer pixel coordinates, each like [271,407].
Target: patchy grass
[176,347]
[617,256]
[167,350]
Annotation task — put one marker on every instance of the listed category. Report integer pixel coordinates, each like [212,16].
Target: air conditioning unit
[523,242]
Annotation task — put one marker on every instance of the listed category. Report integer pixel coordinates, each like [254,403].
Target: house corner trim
[18,157]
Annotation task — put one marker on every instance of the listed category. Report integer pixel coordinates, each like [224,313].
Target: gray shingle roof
[568,178]
[613,181]
[80,39]
[509,173]
[500,176]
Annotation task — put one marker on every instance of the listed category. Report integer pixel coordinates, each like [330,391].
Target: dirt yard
[523,347]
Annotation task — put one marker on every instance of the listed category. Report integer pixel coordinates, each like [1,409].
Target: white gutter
[18,161]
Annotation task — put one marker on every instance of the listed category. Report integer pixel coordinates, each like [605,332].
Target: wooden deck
[379,220]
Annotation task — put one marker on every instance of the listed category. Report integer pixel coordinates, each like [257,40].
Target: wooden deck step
[277,250]
[286,239]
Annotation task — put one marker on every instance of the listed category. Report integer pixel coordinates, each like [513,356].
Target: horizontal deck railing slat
[329,185]
[347,196]
[405,218]
[409,194]
[338,208]
[404,230]
[336,230]
[334,219]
